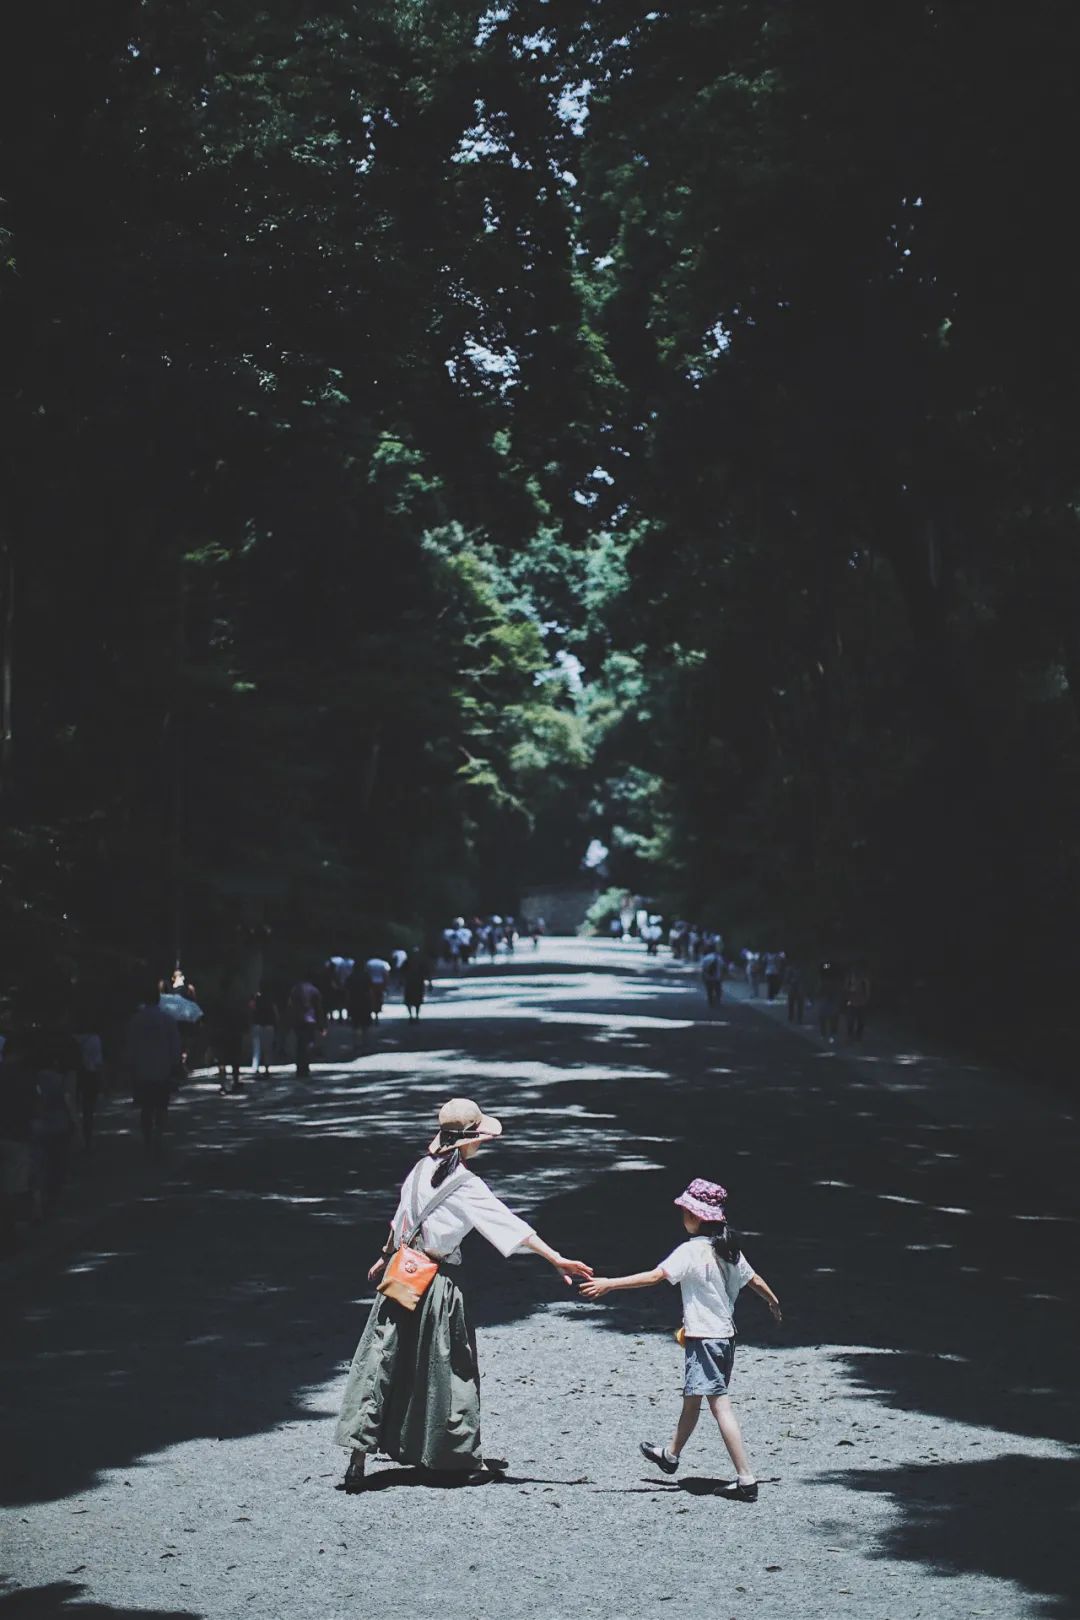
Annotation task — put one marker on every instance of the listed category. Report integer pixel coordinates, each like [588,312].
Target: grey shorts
[709,1364]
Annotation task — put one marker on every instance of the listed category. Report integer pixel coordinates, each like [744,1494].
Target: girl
[710,1270]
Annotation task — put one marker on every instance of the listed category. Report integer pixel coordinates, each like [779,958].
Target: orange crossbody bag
[409,1271]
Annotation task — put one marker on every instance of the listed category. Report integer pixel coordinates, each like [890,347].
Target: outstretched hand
[572,1268]
[777,1313]
[376,1268]
[596,1289]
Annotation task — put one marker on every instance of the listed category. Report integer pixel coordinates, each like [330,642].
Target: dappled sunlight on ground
[178,1369]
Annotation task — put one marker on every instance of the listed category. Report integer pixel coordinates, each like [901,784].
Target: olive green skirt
[413,1390]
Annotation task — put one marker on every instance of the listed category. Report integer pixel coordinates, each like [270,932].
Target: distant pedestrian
[307,1018]
[264,1024]
[88,1079]
[377,969]
[712,976]
[710,1270]
[829,997]
[615,928]
[51,1137]
[415,982]
[774,973]
[796,993]
[336,996]
[856,1000]
[358,1003]
[234,1022]
[152,1061]
[18,1110]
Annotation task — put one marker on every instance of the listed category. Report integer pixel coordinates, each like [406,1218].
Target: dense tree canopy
[435,435]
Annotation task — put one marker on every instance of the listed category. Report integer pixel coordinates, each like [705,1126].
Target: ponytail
[449,1164]
[724,1240]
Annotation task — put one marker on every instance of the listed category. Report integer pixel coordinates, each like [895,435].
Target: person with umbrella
[152,1059]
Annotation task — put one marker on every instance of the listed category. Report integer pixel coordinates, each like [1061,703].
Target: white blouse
[471,1205]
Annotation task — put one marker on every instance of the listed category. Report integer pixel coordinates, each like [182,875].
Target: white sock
[747,1479]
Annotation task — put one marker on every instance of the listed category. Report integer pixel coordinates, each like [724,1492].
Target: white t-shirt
[377,970]
[709,1286]
[471,1206]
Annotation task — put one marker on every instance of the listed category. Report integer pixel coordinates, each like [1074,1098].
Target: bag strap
[450,1186]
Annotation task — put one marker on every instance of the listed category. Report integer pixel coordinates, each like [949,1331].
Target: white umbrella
[180,1008]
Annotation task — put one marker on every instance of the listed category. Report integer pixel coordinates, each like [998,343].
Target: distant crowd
[462,942]
[53,1077]
[837,991]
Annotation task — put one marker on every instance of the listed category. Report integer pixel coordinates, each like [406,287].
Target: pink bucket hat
[705,1199]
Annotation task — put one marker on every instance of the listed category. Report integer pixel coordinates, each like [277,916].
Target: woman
[414,1387]
[415,981]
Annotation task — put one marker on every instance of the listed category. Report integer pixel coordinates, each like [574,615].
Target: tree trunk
[176,764]
[371,772]
[7,673]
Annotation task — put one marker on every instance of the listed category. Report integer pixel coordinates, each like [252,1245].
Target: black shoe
[739,1493]
[657,1455]
[496,1465]
[354,1474]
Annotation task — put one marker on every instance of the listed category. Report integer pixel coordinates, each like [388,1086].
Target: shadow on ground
[1012,1517]
[61,1600]
[388,1479]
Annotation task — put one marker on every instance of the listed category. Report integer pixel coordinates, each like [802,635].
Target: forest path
[914,1420]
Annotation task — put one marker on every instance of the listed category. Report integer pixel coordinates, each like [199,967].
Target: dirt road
[174,1376]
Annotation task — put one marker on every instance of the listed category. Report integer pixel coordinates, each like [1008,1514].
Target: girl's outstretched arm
[760,1286]
[606,1285]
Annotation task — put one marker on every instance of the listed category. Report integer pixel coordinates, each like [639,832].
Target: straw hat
[462,1121]
[705,1199]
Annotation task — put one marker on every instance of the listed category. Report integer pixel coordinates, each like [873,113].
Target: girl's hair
[724,1240]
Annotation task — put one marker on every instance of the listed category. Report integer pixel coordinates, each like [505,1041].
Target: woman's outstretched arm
[569,1268]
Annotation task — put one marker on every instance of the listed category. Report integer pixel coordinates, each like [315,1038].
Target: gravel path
[177,1358]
